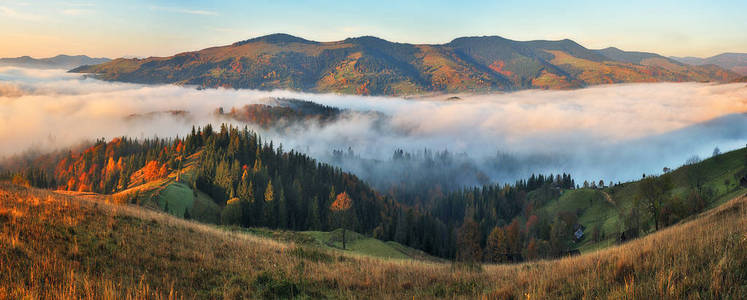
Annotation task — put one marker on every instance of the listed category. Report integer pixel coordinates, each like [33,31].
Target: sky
[161,28]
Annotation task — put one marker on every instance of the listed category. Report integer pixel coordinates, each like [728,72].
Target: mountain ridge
[736,62]
[62,61]
[369,65]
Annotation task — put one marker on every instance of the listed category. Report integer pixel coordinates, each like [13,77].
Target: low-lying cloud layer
[613,132]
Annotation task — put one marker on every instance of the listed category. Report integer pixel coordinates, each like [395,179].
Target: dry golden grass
[62,246]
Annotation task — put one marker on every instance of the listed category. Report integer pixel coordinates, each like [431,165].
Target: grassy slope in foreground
[55,245]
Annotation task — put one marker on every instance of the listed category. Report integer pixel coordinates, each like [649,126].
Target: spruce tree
[282,210]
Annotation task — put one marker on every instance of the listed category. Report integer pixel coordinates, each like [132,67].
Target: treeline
[263,185]
[256,183]
[104,167]
[259,184]
[417,178]
[285,112]
[499,223]
[414,179]
[116,165]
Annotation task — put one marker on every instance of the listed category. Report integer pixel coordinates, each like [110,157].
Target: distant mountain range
[736,62]
[373,66]
[57,62]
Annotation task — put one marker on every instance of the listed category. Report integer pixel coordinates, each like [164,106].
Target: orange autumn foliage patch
[363,89]
[342,202]
[180,147]
[151,171]
[19,180]
[110,166]
[498,66]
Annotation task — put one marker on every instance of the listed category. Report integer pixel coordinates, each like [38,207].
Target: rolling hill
[61,246]
[605,209]
[736,62]
[58,62]
[372,66]
[597,209]
[209,177]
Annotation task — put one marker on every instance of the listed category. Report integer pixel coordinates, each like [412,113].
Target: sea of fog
[609,132]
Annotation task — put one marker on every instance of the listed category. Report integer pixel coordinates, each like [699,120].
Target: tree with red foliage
[513,237]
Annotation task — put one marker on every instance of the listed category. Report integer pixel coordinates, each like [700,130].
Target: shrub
[231,214]
[269,286]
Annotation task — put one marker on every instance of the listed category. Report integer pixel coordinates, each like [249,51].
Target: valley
[71,246]
[373,149]
[215,177]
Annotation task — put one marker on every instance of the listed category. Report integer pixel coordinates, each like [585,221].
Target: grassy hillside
[369,65]
[604,208]
[56,245]
[356,243]
[174,196]
[601,211]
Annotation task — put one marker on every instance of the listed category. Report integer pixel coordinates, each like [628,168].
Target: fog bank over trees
[613,132]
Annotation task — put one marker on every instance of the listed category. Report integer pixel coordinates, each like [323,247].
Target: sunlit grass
[62,246]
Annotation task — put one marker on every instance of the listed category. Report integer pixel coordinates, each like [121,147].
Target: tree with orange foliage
[163,171]
[70,184]
[153,171]
[110,167]
[180,157]
[20,180]
[341,208]
[150,170]
[497,247]
[180,147]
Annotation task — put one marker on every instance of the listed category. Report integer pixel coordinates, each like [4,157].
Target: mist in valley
[613,132]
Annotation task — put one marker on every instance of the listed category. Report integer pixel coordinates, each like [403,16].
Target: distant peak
[276,38]
[569,42]
[484,37]
[367,40]
[611,49]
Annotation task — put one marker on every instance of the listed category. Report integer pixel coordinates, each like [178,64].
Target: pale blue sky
[145,28]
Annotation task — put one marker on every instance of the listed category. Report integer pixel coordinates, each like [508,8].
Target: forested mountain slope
[232,177]
[372,66]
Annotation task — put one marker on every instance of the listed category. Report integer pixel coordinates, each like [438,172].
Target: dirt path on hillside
[608,198]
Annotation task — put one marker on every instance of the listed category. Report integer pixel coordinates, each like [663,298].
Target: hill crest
[369,65]
[61,61]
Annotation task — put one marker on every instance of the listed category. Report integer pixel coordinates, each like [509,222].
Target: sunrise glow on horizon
[156,28]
